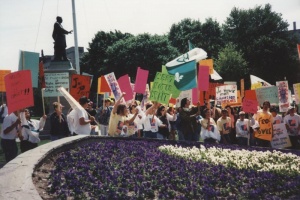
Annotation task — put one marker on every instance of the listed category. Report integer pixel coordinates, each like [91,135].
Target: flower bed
[138,169]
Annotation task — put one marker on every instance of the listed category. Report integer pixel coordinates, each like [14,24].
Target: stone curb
[16,175]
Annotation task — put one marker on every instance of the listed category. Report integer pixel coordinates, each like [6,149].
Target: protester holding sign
[30,130]
[292,123]
[9,133]
[152,122]
[81,119]
[188,116]
[264,134]
[118,118]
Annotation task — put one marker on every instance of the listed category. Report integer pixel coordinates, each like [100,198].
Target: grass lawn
[2,158]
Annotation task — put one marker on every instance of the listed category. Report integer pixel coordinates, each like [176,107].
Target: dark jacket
[57,126]
[188,124]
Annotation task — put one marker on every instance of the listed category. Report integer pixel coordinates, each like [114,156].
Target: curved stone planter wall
[16,176]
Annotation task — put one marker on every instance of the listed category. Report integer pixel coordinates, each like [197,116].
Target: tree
[92,62]
[147,51]
[230,63]
[263,37]
[206,36]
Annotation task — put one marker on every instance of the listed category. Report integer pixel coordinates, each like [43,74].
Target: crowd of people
[117,119]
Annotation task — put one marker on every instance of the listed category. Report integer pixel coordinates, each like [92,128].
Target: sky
[28,24]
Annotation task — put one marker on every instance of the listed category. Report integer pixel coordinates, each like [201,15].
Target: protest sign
[19,91]
[103,85]
[80,86]
[226,94]
[283,95]
[125,86]
[2,83]
[250,105]
[114,86]
[203,78]
[209,63]
[297,92]
[280,138]
[55,80]
[195,96]
[250,94]
[255,86]
[162,88]
[141,80]
[267,94]
[30,60]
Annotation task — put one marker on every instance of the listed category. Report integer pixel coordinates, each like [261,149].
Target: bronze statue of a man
[59,40]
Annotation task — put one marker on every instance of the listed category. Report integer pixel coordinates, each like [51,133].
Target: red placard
[19,91]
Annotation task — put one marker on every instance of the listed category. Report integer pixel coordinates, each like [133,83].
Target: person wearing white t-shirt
[243,129]
[292,123]
[82,122]
[152,122]
[9,133]
[277,119]
[30,130]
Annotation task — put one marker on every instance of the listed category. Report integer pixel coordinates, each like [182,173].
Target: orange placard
[208,62]
[80,86]
[102,85]
[2,83]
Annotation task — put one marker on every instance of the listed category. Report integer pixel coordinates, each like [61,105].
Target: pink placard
[141,80]
[250,105]
[125,86]
[195,96]
[19,92]
[203,78]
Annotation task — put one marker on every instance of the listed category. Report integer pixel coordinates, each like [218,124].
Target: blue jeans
[9,148]
[242,141]
[180,135]
[150,134]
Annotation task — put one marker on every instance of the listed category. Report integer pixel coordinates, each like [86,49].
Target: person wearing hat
[292,123]
[103,115]
[242,127]
[58,123]
[82,121]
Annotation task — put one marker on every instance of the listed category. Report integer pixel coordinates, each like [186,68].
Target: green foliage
[262,36]
[206,36]
[147,51]
[230,63]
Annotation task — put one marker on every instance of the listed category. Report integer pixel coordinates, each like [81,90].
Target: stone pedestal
[57,67]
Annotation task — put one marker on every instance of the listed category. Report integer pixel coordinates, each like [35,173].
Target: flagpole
[75,38]
[43,101]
